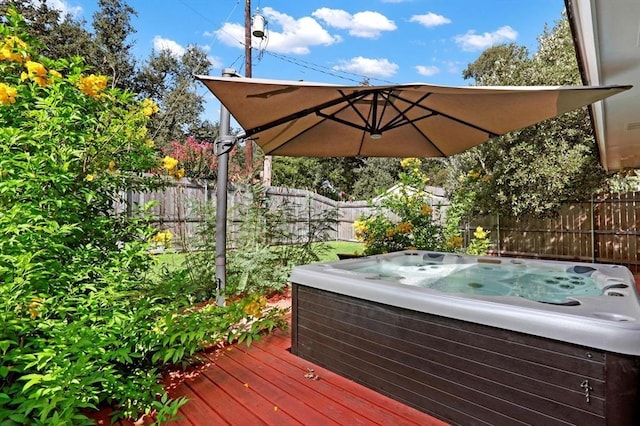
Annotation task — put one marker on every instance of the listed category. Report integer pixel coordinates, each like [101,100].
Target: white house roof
[607,38]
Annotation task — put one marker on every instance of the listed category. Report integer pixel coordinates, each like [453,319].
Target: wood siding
[460,372]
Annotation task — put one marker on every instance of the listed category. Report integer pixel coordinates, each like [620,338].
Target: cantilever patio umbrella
[409,120]
[303,119]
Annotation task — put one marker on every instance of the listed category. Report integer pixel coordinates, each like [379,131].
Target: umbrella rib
[307,111]
[450,117]
[345,122]
[401,119]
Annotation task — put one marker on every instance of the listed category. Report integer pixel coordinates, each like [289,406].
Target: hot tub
[478,340]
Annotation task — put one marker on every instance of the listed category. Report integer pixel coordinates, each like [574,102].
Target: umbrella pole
[223,145]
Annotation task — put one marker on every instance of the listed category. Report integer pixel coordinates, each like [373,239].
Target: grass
[175,260]
[336,247]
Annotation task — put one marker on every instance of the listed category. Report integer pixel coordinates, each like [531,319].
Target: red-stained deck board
[265,384]
[324,394]
[371,405]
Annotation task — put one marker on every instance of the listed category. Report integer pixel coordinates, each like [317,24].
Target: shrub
[83,323]
[404,219]
[265,248]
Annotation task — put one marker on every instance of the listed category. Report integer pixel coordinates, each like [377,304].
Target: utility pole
[248,145]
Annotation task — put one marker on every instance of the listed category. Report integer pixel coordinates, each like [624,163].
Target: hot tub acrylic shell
[474,359]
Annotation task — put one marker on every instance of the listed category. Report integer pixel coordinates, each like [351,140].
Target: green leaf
[31,379]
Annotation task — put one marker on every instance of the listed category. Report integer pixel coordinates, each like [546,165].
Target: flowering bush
[162,239]
[83,322]
[199,161]
[404,218]
[479,244]
[198,158]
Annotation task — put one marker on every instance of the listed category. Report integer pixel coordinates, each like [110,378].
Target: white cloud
[430,20]
[427,70]
[472,41]
[368,67]
[160,44]
[363,24]
[63,6]
[216,61]
[285,33]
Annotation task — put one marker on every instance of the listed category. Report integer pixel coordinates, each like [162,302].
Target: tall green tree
[536,169]
[113,29]
[167,78]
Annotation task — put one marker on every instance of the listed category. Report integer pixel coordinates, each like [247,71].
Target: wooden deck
[265,384]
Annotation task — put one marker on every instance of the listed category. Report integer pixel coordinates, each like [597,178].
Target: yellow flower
[93,85]
[112,165]
[169,163]
[454,242]
[178,174]
[480,233]
[410,162]
[34,307]
[404,227]
[164,238]
[426,209]
[390,232]
[149,107]
[13,48]
[7,94]
[89,178]
[55,73]
[149,143]
[360,225]
[36,72]
[474,174]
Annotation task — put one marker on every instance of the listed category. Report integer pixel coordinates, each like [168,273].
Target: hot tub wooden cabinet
[429,352]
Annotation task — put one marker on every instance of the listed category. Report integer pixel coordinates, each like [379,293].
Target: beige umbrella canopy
[304,119]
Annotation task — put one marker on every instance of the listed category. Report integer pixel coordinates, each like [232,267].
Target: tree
[536,169]
[168,80]
[499,65]
[112,25]
[58,36]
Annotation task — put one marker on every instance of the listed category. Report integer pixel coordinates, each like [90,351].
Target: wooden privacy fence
[604,229]
[181,208]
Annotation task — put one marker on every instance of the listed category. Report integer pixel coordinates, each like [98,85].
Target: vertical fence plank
[612,234]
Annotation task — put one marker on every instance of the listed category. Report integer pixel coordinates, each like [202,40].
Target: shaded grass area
[176,260]
[346,247]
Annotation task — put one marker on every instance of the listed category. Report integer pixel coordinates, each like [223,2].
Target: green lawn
[346,247]
[174,260]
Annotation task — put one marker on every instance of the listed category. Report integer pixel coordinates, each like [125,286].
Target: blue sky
[342,42]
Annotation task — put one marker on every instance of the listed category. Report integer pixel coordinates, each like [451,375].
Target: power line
[325,70]
[344,75]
